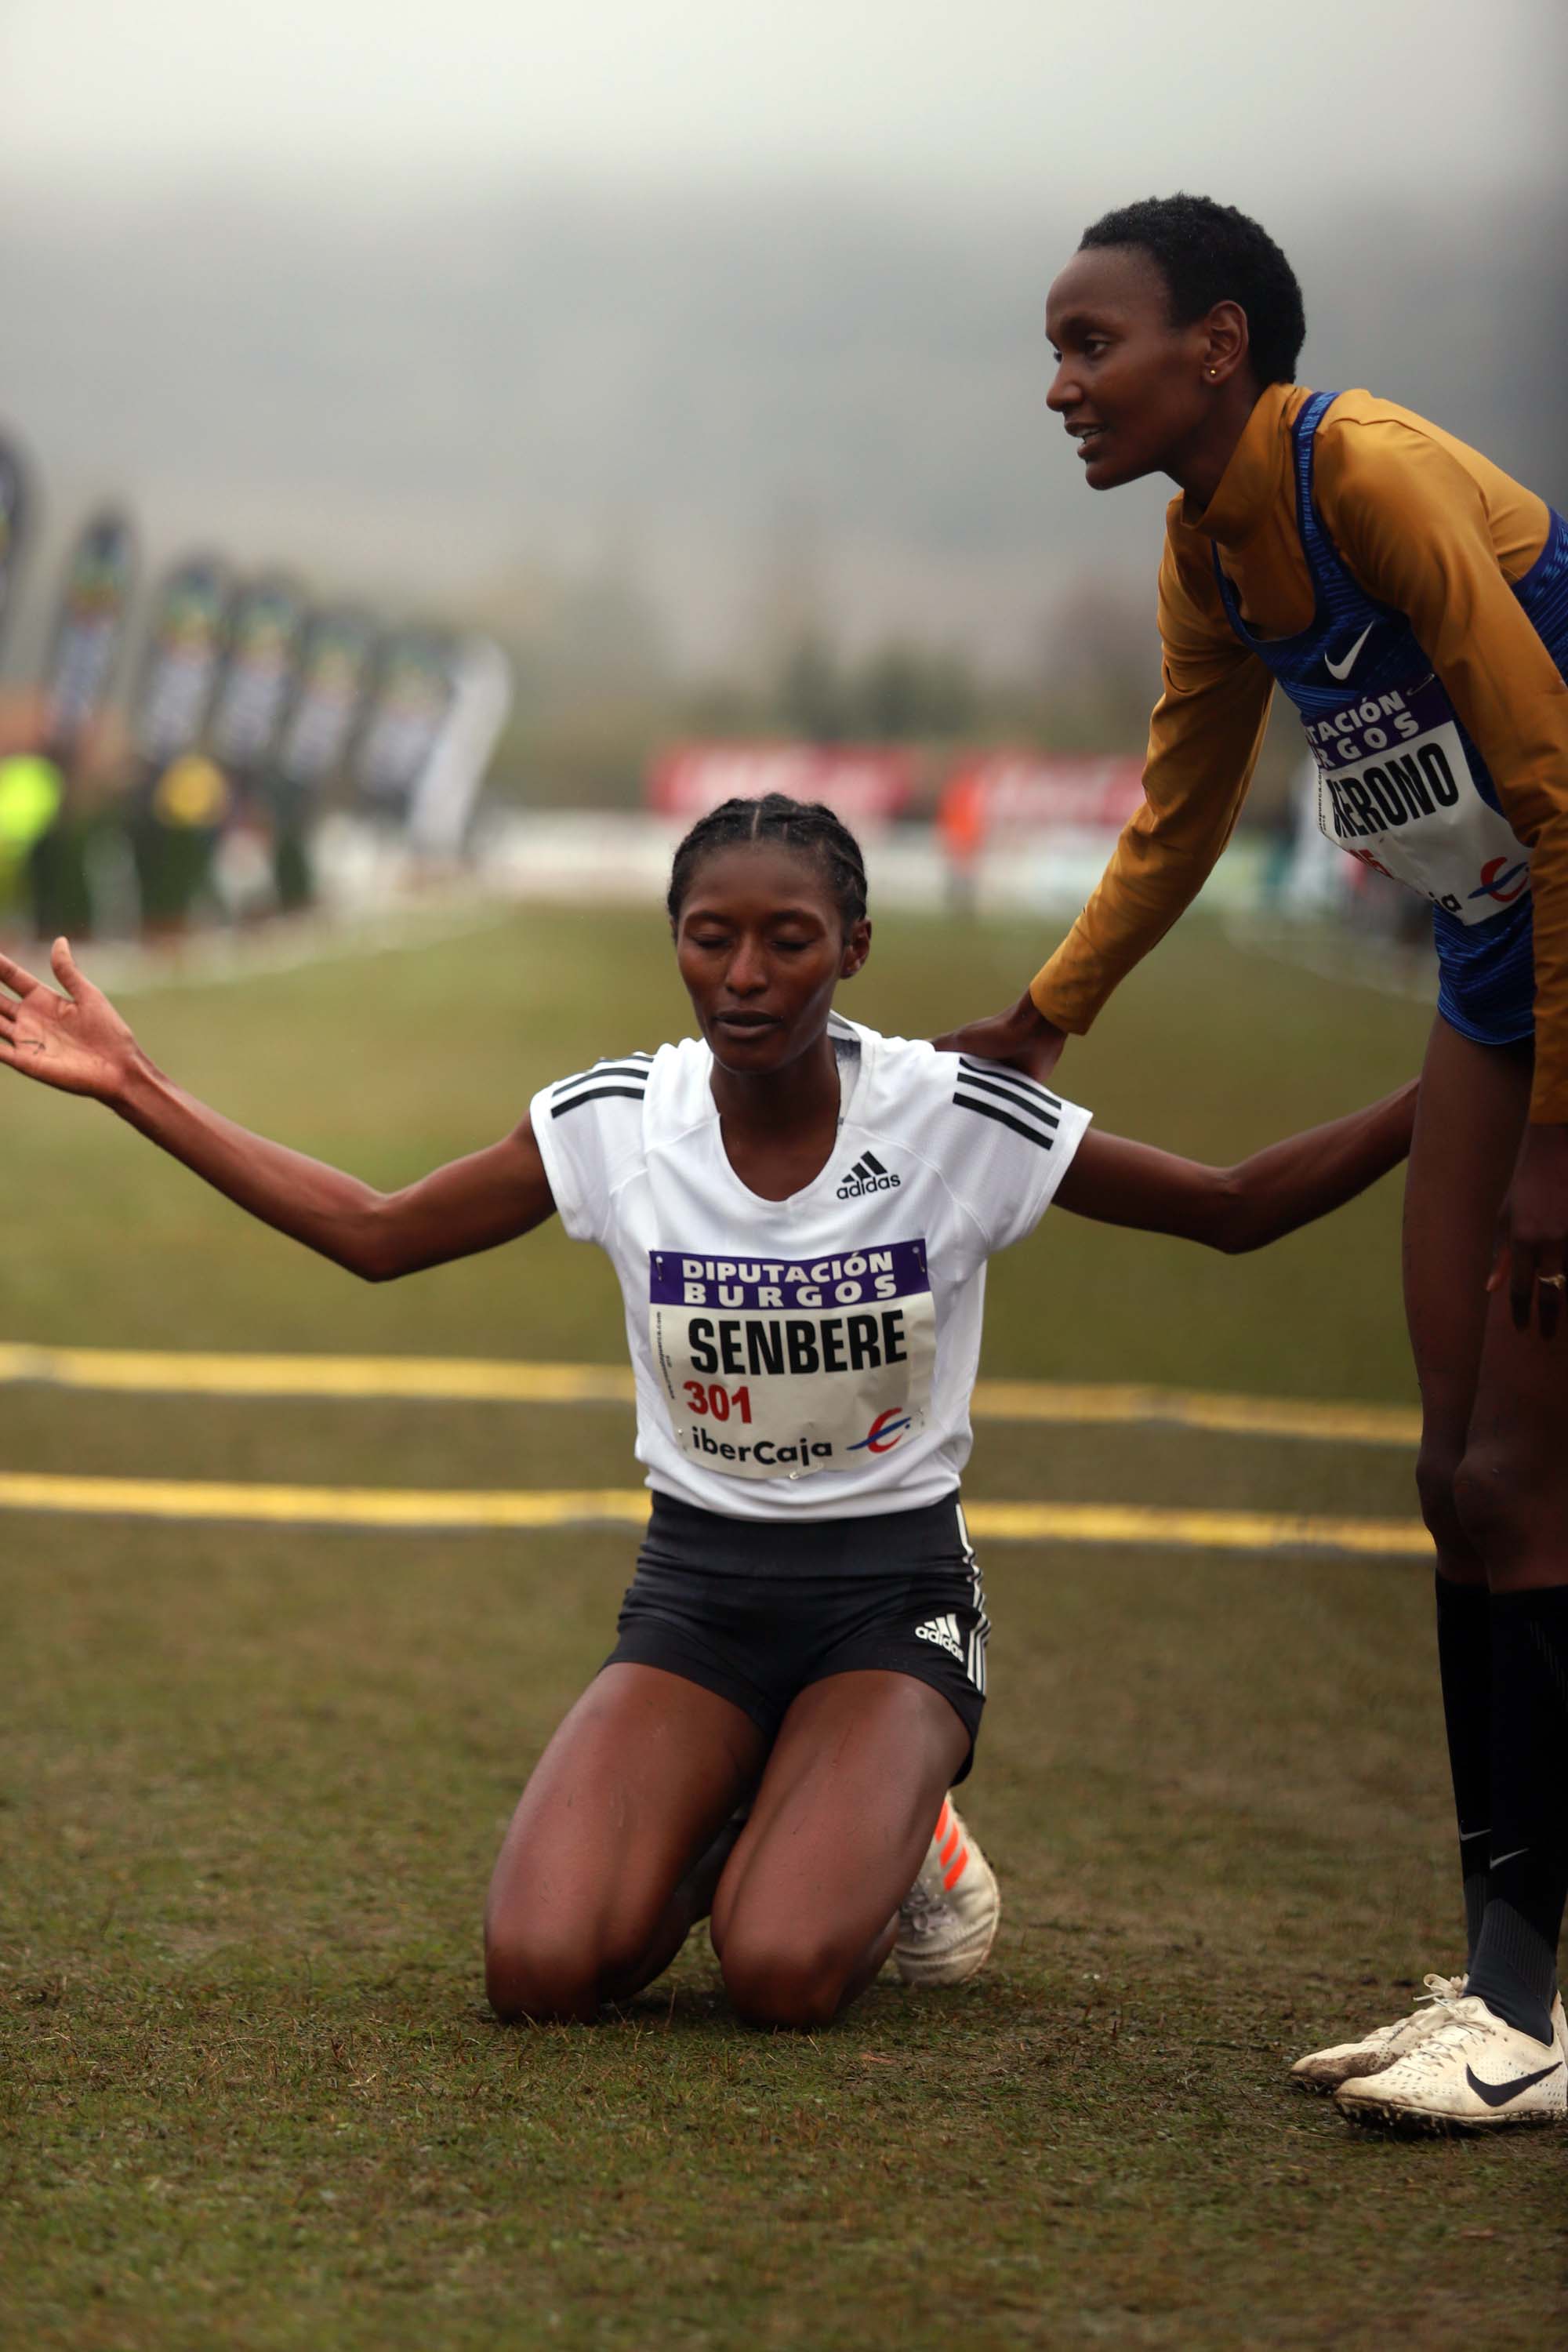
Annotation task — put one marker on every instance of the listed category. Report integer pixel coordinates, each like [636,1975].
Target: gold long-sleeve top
[1424,524]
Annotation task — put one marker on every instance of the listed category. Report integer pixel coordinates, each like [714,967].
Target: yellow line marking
[381,1507]
[430,1378]
[1353,1425]
[1137,1523]
[437,1380]
[344,1506]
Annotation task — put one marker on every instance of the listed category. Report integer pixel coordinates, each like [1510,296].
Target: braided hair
[803,825]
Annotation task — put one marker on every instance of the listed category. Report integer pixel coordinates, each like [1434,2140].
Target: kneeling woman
[800,1212]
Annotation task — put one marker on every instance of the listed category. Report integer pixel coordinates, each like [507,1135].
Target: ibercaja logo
[883,1434]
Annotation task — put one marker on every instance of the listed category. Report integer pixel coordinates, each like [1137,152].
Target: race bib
[773,1369]
[1395,790]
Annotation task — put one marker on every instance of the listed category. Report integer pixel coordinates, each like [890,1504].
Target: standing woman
[1412,601]
[800,1213]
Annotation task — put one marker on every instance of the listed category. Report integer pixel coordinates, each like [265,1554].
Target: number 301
[717,1400]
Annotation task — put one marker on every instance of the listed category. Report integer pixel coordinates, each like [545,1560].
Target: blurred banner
[862,786]
[88,634]
[265,638]
[13,522]
[411,699]
[444,797]
[333,674]
[180,672]
[1031,827]
[1024,792]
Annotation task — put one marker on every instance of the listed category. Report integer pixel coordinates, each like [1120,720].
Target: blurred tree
[1102,659]
[906,693]
[812,697]
[901,693]
[724,707]
[576,637]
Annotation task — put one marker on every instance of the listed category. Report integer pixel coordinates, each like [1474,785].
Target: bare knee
[1498,1502]
[540,1977]
[568,1972]
[783,1981]
[1436,1471]
[532,1980]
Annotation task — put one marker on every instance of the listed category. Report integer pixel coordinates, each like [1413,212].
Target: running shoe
[947,1922]
[1472,2073]
[1325,2070]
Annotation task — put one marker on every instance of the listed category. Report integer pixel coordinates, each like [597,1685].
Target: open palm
[76,1041]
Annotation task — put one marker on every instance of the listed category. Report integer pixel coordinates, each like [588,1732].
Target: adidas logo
[867,1175]
[943,1631]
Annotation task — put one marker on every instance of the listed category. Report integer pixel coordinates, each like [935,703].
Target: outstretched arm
[78,1042]
[1240,1208]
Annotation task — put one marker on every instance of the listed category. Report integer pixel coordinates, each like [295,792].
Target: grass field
[251,1780]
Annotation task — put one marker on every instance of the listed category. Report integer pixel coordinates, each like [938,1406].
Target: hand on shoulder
[1020,1036]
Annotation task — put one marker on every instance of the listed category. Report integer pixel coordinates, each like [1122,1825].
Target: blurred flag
[333,678]
[413,695]
[89,631]
[14,503]
[265,637]
[444,798]
[180,671]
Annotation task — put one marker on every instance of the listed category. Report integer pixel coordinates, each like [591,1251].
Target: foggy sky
[430,302]
[1103,97]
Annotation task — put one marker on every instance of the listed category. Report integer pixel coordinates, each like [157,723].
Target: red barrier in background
[1003,792]
[862,786]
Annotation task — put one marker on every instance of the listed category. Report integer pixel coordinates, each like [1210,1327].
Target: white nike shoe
[1325,2070]
[1471,2074]
[947,1922]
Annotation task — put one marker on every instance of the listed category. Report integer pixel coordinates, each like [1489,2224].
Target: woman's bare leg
[1473,1105]
[1470,1121]
[616,1843]
[1512,1497]
[1512,1483]
[806,1909]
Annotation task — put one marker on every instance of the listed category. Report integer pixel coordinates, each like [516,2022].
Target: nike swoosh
[1498,2094]
[1344,670]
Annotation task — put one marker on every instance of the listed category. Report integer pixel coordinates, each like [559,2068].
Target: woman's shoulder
[1352,411]
[925,1089]
[638,1062]
[1365,440]
[1381,470]
[604,1119]
[611,1069]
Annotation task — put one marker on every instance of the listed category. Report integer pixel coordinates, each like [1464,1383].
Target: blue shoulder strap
[1315,540]
[1323,562]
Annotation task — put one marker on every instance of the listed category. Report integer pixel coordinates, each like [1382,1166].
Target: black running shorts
[757,1612]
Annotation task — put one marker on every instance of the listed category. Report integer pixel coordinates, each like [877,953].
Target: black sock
[1465,1666]
[1515,1966]
[1515,1970]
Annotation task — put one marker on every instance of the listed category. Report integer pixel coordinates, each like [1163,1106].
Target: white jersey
[811,1357]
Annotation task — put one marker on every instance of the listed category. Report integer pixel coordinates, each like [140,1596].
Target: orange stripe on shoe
[940,1822]
[956,1872]
[947,1851]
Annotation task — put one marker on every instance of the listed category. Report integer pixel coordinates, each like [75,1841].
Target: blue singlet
[1400,783]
